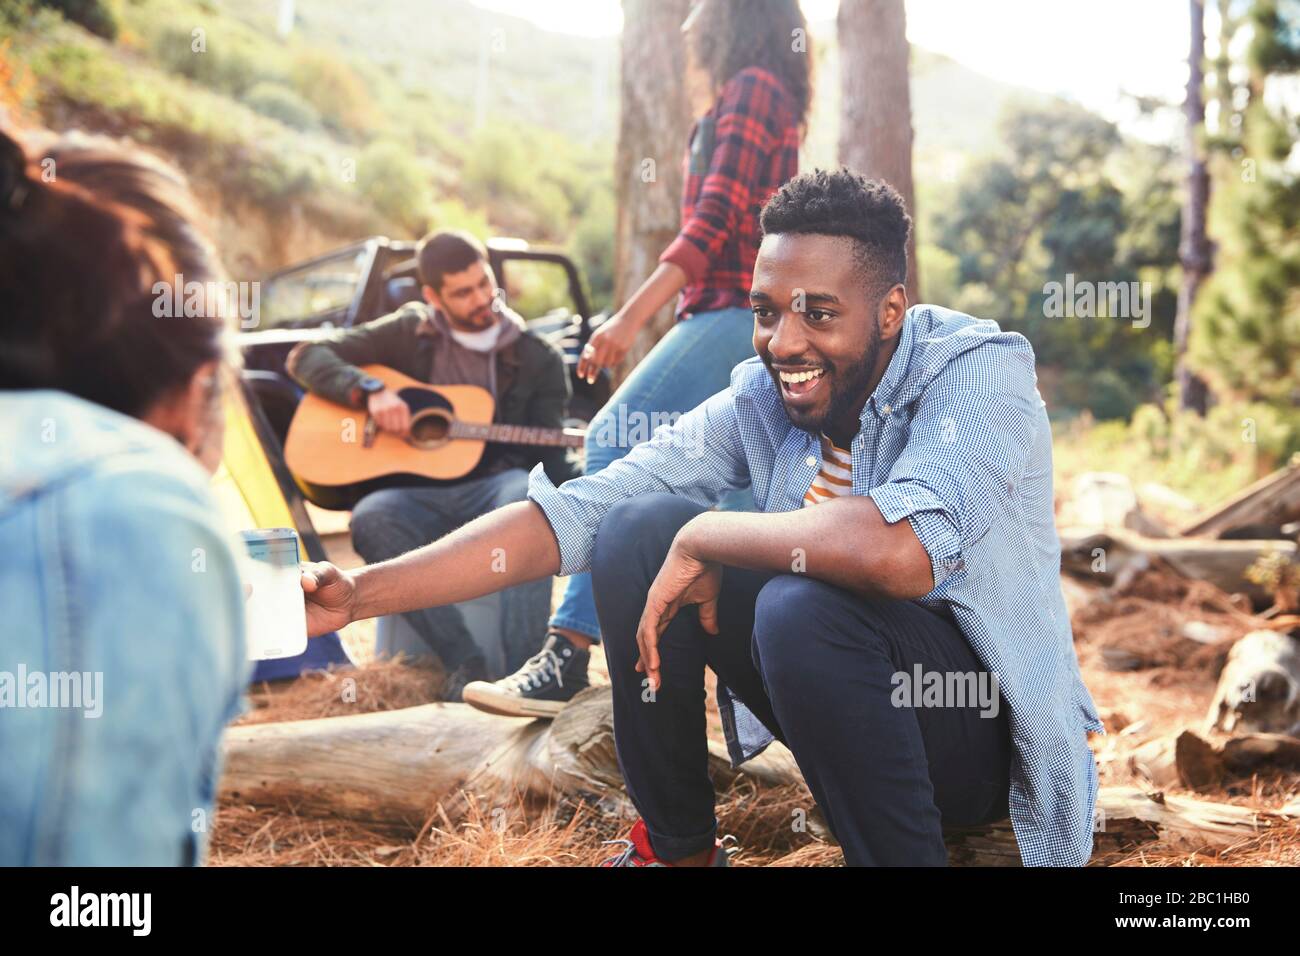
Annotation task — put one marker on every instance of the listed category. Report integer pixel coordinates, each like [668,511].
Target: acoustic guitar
[331,445]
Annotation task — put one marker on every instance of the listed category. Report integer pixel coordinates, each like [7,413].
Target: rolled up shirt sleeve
[965,456]
[700,456]
[932,520]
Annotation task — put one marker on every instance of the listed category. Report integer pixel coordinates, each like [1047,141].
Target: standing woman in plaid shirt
[744,148]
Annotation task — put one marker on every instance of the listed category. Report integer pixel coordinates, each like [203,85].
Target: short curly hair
[845,203]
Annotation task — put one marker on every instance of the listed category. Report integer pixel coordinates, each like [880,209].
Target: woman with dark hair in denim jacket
[122,651]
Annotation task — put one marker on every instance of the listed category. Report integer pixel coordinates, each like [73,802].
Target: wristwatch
[367,386]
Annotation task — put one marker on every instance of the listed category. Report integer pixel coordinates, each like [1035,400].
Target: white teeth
[794,377]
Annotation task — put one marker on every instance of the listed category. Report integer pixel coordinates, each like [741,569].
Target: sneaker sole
[486,697]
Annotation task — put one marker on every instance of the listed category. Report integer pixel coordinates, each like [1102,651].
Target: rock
[1203,633]
[1259,688]
[1101,499]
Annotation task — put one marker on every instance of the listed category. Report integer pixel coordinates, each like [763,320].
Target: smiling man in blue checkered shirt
[893,614]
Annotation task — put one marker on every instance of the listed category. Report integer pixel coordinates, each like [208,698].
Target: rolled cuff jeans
[690,363]
[832,674]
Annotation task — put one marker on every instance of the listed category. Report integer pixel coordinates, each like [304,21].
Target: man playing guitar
[461,334]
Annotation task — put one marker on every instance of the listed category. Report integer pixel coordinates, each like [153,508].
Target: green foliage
[221,59]
[1246,334]
[536,288]
[395,184]
[278,180]
[940,273]
[331,86]
[268,120]
[283,104]
[1067,198]
[15,14]
[211,136]
[451,213]
[1205,459]
[100,17]
[592,248]
[1105,392]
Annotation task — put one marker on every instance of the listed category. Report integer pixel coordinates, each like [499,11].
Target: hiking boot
[541,687]
[638,852]
[453,686]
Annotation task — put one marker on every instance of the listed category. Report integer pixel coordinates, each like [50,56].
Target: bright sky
[1089,50]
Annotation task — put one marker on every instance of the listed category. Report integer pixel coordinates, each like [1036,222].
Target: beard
[850,389]
[848,385]
[475,321]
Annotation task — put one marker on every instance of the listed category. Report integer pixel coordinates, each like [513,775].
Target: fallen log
[1261,508]
[1113,556]
[1188,760]
[395,766]
[1125,818]
[398,766]
[1259,688]
[1178,760]
[1124,813]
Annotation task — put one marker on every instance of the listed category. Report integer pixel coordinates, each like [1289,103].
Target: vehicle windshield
[319,293]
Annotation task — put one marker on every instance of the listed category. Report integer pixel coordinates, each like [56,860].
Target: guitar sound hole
[430,429]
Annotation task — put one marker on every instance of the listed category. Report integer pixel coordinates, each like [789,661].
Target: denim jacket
[121,642]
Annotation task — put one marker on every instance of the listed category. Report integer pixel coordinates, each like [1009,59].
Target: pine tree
[1246,337]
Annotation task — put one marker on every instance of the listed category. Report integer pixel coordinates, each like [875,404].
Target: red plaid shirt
[741,152]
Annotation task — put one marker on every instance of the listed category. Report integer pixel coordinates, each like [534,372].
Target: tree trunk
[397,766]
[1194,249]
[876,104]
[654,124]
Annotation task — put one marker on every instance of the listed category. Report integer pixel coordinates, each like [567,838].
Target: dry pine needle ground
[1168,692]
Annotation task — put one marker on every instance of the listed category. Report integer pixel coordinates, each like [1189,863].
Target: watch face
[370,385]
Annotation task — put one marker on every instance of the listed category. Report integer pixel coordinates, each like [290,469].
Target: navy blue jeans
[820,667]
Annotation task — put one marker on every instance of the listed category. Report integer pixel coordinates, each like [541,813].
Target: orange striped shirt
[835,478]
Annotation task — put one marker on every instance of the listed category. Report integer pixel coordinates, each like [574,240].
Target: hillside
[414,114]
[448,47]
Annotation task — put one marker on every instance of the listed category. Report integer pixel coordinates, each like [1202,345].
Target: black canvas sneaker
[546,682]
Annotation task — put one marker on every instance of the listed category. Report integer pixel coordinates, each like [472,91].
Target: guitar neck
[518,434]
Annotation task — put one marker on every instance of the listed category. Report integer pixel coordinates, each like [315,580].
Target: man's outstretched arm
[509,546]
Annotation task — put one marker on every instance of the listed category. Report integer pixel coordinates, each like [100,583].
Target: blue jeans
[391,522]
[693,361]
[821,667]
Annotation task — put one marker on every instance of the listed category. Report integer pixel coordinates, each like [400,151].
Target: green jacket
[531,378]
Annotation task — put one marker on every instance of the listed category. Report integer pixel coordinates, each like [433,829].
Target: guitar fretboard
[518,434]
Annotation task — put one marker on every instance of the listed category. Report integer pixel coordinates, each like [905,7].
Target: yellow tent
[255,490]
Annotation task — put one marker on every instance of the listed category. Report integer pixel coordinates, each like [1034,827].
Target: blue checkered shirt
[955,438]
